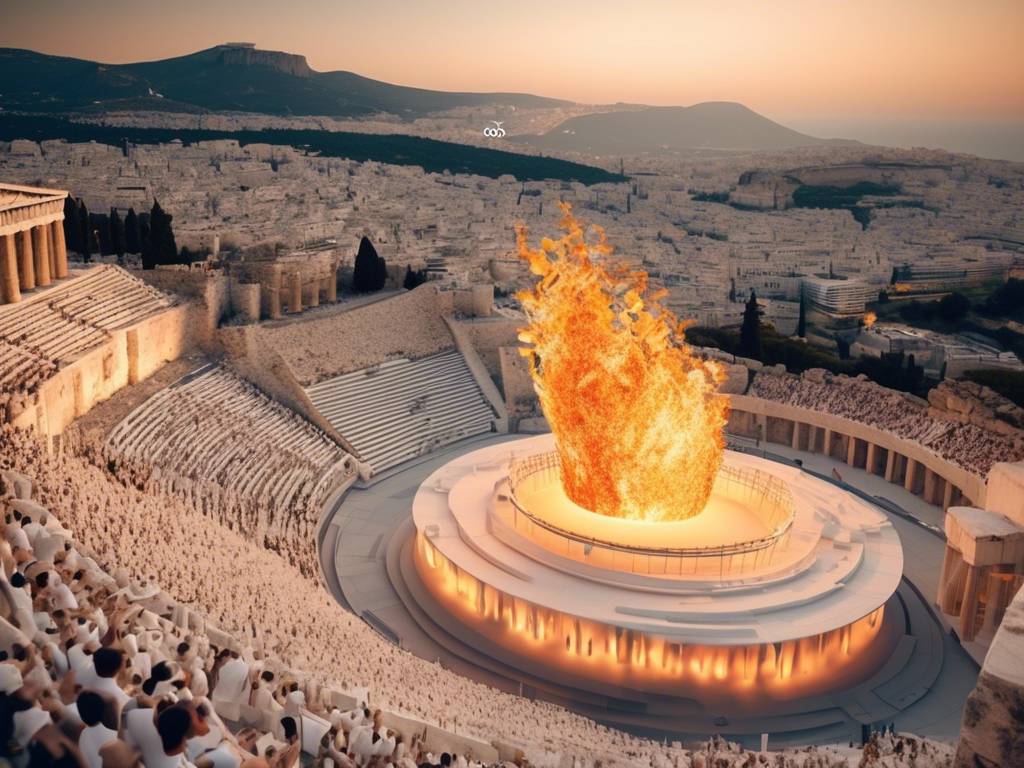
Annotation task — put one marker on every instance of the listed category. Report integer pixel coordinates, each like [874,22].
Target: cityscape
[361,407]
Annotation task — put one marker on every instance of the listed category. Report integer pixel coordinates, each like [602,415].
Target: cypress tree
[72,229]
[380,274]
[146,246]
[365,272]
[86,232]
[117,239]
[801,323]
[132,236]
[163,248]
[750,331]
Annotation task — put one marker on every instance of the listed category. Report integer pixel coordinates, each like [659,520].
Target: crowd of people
[246,461]
[969,445]
[105,666]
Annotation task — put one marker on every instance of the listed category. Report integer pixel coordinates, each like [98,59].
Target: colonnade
[897,468]
[32,249]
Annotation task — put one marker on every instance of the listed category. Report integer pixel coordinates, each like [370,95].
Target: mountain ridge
[233,77]
[718,125]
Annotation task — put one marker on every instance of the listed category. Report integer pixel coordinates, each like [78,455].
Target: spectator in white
[95,734]
[107,664]
[232,682]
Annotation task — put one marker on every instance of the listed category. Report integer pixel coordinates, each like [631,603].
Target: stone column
[947,496]
[10,290]
[929,486]
[911,477]
[274,293]
[890,465]
[826,448]
[969,608]
[795,443]
[314,293]
[871,461]
[41,252]
[26,263]
[949,589]
[295,305]
[332,284]
[948,561]
[851,451]
[60,250]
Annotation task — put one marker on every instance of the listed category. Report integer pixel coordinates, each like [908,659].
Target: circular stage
[781,589]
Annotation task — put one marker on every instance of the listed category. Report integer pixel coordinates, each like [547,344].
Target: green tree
[953,307]
[117,238]
[163,249]
[370,271]
[132,235]
[72,228]
[85,229]
[750,330]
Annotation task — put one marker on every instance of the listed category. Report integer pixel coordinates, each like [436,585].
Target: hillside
[709,125]
[431,155]
[231,77]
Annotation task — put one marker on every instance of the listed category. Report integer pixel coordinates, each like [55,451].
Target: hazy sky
[880,61]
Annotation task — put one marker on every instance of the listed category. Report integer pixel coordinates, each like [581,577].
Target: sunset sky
[805,62]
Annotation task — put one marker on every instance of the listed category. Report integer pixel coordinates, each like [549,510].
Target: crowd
[245,460]
[101,664]
[969,445]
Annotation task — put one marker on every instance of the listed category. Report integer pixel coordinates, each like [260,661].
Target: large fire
[636,418]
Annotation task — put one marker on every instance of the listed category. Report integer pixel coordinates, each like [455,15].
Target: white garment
[108,688]
[91,739]
[233,682]
[140,732]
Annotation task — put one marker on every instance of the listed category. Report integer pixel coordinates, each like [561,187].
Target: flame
[870,318]
[636,418]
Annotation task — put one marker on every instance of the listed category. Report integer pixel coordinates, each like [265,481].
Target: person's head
[90,707]
[18,580]
[291,731]
[446,760]
[183,649]
[173,725]
[108,661]
[267,676]
[160,673]
[375,738]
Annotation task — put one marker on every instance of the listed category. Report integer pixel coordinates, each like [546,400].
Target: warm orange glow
[618,655]
[637,422]
[870,318]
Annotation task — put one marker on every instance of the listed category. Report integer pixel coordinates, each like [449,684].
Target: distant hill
[709,125]
[430,155]
[230,77]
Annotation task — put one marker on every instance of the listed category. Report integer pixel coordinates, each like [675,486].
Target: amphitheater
[251,490]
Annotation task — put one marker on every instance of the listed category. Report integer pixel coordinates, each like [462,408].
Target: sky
[942,70]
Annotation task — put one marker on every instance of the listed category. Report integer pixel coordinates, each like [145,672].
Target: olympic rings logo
[495,132]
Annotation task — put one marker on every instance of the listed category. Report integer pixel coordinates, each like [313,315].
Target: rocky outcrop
[971,403]
[289,63]
[992,733]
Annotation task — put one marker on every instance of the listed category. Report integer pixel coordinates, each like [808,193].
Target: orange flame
[636,418]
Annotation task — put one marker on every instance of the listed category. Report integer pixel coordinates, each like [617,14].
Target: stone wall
[970,403]
[129,356]
[488,335]
[408,325]
[992,733]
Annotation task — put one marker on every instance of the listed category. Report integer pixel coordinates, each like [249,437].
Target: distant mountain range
[231,77]
[237,77]
[709,125]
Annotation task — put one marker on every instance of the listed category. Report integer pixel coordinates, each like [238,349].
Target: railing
[767,495]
